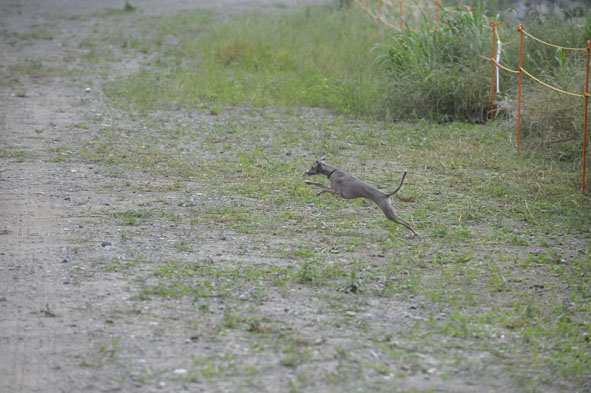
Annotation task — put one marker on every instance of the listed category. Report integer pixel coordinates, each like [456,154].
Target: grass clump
[439,71]
[133,217]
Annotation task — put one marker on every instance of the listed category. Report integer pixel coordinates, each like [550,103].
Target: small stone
[180,371]
[106,244]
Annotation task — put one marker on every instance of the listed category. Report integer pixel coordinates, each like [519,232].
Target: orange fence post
[494,25]
[520,29]
[379,18]
[401,18]
[586,105]
[437,8]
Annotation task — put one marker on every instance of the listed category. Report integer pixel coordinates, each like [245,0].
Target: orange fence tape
[549,44]
[500,65]
[551,87]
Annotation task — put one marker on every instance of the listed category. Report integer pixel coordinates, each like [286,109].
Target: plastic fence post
[492,72]
[586,105]
[437,8]
[520,29]
[498,60]
[379,18]
[401,17]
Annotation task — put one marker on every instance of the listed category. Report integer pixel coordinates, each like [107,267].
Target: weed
[231,320]
[183,246]
[133,217]
[110,351]
[13,154]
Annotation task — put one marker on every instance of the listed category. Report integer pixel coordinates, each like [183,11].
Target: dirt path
[52,321]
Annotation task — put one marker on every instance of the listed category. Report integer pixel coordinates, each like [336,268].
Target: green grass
[440,71]
[133,217]
[10,153]
[295,60]
[36,32]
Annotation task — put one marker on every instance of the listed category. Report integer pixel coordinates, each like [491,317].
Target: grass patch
[134,217]
[298,59]
[11,153]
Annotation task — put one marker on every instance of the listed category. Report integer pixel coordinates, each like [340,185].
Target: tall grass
[439,71]
[444,78]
